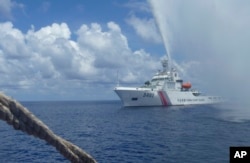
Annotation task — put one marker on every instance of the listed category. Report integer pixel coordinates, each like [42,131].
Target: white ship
[165,88]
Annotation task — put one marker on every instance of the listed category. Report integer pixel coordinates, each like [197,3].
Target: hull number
[146,94]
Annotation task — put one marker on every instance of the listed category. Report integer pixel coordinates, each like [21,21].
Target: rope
[22,119]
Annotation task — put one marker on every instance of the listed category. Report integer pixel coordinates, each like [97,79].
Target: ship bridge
[165,79]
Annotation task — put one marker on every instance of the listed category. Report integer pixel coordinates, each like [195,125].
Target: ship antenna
[165,65]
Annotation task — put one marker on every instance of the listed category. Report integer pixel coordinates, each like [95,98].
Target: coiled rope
[22,119]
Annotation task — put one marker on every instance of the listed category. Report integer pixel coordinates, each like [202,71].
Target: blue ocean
[111,133]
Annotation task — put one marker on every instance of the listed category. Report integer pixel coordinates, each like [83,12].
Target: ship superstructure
[164,89]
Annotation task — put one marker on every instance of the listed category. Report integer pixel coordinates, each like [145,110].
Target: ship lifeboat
[186,85]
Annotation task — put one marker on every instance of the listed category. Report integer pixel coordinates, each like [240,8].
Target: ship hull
[131,96]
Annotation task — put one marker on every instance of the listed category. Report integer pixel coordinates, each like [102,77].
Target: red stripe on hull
[163,99]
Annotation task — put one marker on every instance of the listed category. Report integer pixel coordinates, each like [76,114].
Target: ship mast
[165,65]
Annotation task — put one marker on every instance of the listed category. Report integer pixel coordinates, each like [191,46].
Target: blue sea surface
[111,133]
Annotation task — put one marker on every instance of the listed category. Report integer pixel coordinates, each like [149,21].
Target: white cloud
[110,50]
[145,28]
[6,7]
[48,59]
[138,6]
[13,41]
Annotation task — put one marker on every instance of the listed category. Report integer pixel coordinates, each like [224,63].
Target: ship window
[134,99]
[196,93]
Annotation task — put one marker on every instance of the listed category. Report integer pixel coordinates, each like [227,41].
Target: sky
[76,50]
[73,50]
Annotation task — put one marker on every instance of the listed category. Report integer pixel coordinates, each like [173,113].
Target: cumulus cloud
[48,58]
[145,28]
[10,35]
[111,52]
